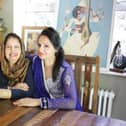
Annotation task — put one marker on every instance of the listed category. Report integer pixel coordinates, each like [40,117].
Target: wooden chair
[86,71]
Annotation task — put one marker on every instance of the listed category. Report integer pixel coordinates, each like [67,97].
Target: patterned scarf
[17,73]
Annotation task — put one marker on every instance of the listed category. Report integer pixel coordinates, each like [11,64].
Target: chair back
[86,71]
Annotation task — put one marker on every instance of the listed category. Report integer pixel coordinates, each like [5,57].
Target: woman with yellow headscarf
[16,79]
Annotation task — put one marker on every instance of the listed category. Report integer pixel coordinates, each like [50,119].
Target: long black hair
[54,38]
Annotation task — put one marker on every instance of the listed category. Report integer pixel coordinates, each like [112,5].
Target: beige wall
[118,84]
[7,14]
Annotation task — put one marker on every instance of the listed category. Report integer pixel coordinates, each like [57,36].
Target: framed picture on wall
[29,37]
[85,26]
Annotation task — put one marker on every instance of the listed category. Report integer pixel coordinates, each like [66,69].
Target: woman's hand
[21,86]
[5,93]
[30,102]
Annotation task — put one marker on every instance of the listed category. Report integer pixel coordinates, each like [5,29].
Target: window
[35,13]
[118,46]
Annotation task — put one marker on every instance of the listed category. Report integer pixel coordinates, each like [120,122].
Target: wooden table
[23,116]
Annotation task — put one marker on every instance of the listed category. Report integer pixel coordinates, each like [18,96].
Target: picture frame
[87,32]
[29,37]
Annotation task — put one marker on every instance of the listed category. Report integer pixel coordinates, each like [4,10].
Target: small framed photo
[29,37]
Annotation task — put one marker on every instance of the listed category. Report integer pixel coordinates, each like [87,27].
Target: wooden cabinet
[1,4]
[2,31]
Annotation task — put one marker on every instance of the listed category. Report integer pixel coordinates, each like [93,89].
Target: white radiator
[105,101]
